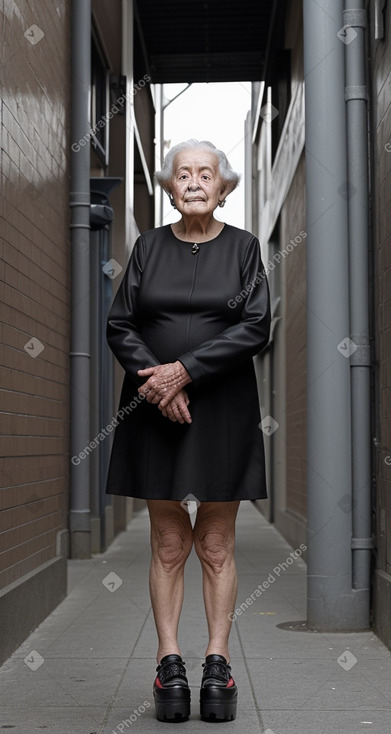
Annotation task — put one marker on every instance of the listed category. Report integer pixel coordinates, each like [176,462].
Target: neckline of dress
[191,242]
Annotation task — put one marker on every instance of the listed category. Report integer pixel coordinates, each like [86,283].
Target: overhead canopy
[214,41]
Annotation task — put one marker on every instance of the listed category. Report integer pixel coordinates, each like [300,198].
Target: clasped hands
[164,387]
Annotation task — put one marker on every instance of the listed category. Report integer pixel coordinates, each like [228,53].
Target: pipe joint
[79,226]
[361,357]
[356,91]
[79,198]
[362,543]
[79,520]
[355,17]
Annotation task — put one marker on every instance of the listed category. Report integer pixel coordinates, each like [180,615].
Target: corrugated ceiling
[213,41]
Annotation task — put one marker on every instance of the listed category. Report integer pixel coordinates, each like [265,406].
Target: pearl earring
[222,203]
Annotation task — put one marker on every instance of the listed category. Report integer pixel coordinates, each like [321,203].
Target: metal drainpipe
[329,604]
[248,178]
[79,509]
[360,363]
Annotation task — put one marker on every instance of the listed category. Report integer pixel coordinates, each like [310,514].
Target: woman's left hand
[177,410]
[164,382]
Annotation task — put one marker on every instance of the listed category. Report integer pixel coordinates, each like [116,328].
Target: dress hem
[187,497]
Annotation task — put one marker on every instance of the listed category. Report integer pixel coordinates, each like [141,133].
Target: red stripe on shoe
[230,683]
[158,683]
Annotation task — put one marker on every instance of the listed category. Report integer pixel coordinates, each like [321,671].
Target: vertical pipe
[357,142]
[158,153]
[329,604]
[127,70]
[79,510]
[161,150]
[95,394]
[248,173]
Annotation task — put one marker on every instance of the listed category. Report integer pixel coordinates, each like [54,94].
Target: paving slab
[89,667]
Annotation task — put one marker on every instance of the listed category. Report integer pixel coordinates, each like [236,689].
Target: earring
[172,200]
[222,202]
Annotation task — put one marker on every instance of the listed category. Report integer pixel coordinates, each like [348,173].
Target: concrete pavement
[89,667]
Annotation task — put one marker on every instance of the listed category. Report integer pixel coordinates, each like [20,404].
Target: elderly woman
[191,311]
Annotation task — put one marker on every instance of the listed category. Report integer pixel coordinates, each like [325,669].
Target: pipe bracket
[79,354]
[79,198]
[79,520]
[356,91]
[356,17]
[361,357]
[362,543]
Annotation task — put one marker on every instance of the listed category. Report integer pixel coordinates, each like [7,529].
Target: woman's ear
[170,196]
[225,190]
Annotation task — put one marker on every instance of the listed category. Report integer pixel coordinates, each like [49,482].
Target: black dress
[206,305]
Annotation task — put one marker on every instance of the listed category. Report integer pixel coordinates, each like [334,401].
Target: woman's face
[196,185]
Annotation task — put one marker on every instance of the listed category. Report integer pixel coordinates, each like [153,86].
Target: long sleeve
[123,333]
[244,339]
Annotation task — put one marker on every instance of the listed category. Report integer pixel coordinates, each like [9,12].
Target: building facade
[36,173]
[35,314]
[379,74]
[276,175]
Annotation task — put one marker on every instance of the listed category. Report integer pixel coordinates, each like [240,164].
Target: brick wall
[35,280]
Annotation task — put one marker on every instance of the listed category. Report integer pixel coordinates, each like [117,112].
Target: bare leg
[171,543]
[214,540]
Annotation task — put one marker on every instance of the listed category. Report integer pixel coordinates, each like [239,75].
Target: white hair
[227,173]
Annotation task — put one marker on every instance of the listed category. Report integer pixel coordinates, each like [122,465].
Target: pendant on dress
[195,249]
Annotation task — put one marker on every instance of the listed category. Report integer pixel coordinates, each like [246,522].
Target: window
[281,95]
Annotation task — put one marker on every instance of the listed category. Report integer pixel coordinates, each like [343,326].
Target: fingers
[158,395]
[186,417]
[179,416]
[146,371]
[177,410]
[168,395]
[164,388]
[164,382]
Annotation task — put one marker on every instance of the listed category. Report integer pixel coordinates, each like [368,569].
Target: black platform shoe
[171,690]
[219,692]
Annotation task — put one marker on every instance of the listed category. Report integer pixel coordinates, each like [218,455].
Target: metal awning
[215,41]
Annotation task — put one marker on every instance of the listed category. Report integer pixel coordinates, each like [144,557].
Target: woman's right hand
[176,410]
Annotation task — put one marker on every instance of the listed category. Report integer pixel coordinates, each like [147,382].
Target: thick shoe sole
[172,704]
[218,704]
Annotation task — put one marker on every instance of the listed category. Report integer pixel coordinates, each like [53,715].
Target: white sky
[214,112]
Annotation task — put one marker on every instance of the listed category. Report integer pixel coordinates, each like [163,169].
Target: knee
[214,547]
[171,548]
